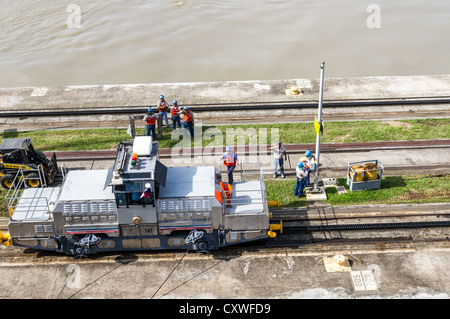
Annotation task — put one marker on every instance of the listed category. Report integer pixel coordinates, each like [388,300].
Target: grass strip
[393,190]
[334,132]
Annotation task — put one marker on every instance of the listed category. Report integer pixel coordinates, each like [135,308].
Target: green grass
[397,189]
[284,191]
[3,205]
[393,190]
[334,132]
[90,139]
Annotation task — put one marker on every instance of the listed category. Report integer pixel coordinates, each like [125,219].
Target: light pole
[319,129]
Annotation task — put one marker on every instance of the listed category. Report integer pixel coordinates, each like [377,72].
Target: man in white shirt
[278,153]
[302,173]
[311,162]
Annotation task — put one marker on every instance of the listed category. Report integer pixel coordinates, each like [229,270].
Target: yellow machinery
[5,239]
[18,153]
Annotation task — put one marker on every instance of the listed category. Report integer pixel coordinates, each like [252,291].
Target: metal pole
[319,119]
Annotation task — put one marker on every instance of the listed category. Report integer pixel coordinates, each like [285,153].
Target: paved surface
[402,270]
[367,271]
[223,92]
[395,162]
[204,94]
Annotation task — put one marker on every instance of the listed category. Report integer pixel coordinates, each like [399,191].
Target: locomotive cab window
[135,194]
[121,200]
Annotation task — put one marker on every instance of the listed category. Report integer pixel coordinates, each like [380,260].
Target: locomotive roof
[189,182]
[86,185]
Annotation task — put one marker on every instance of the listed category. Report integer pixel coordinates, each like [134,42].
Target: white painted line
[39,92]
[304,84]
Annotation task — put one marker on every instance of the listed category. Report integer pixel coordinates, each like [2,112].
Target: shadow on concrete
[126,259]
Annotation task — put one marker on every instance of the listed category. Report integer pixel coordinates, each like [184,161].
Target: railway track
[294,152]
[70,117]
[247,150]
[365,222]
[397,225]
[226,107]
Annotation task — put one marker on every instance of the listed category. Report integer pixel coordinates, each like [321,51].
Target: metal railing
[33,205]
[19,182]
[227,202]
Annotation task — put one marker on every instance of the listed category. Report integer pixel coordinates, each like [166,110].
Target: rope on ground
[73,271]
[97,279]
[170,274]
[202,272]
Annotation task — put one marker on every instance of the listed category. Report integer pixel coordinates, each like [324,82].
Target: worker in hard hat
[301,172]
[279,156]
[175,112]
[150,123]
[230,161]
[188,120]
[310,157]
[163,106]
[311,162]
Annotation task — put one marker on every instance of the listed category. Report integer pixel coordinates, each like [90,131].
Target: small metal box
[364,175]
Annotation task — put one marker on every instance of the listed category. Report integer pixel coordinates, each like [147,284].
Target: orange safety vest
[175,111]
[187,117]
[151,120]
[229,160]
[227,189]
[163,108]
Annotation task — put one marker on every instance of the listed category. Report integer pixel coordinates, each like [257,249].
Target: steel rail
[366,226]
[291,148]
[138,109]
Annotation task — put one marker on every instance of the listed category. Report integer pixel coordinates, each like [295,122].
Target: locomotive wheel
[7,181]
[202,247]
[33,180]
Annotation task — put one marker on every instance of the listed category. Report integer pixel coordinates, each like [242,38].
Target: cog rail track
[366,226]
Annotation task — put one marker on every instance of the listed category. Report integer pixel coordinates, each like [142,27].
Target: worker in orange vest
[163,106]
[188,120]
[230,161]
[150,123]
[175,112]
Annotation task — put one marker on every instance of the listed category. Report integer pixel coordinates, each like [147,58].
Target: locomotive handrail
[15,188]
[45,206]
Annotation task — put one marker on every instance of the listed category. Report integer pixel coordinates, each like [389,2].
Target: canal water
[80,42]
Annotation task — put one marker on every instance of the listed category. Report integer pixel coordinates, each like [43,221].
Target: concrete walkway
[434,160]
